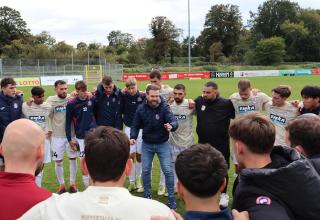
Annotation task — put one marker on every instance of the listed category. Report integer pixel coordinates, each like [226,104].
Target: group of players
[158,121]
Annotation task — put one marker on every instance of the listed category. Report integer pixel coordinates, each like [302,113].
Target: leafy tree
[117,38]
[45,38]
[163,32]
[12,26]
[223,23]
[62,50]
[271,15]
[216,51]
[82,46]
[185,47]
[270,51]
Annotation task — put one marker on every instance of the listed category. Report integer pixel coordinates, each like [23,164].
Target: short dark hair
[244,84]
[255,130]
[107,80]
[283,91]
[106,153]
[201,169]
[211,84]
[59,82]
[37,91]
[180,87]
[155,73]
[6,81]
[305,131]
[152,87]
[81,85]
[311,91]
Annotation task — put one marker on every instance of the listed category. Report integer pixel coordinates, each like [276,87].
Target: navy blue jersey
[315,111]
[130,105]
[80,113]
[10,110]
[108,108]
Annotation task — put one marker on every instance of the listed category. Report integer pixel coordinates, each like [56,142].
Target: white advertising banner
[256,73]
[49,80]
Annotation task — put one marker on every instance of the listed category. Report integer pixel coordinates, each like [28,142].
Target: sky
[91,21]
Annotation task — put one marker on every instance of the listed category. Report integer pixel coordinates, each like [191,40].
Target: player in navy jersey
[132,98]
[80,114]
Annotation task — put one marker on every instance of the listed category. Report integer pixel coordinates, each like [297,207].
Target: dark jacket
[152,121]
[315,160]
[10,110]
[213,120]
[130,105]
[287,188]
[108,109]
[80,113]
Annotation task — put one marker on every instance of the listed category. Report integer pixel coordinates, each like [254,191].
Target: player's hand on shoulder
[191,104]
[240,215]
[74,145]
[29,102]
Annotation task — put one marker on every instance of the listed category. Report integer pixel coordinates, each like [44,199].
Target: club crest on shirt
[139,99]
[157,117]
[85,109]
[203,107]
[15,105]
[263,200]
[114,99]
[89,103]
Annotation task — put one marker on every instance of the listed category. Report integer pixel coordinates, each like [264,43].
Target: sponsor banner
[70,80]
[316,72]
[169,75]
[217,74]
[256,73]
[27,81]
[300,72]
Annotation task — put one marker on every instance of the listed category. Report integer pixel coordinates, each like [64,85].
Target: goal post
[93,73]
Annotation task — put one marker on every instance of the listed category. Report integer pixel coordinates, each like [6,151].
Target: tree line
[280,30]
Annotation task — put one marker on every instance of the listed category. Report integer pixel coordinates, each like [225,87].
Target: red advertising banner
[169,75]
[316,72]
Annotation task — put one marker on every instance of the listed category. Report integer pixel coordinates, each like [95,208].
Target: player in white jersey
[281,112]
[182,138]
[59,142]
[245,101]
[38,111]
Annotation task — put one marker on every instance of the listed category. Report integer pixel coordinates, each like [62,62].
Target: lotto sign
[29,81]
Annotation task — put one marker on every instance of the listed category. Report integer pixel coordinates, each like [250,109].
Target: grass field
[194,89]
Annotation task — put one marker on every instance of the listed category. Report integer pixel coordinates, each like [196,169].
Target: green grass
[194,89]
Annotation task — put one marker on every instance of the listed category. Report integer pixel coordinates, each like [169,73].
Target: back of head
[22,138]
[201,169]
[305,132]
[155,73]
[255,130]
[107,151]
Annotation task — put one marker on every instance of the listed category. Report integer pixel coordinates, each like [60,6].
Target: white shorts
[81,147]
[175,151]
[59,146]
[47,151]
[136,148]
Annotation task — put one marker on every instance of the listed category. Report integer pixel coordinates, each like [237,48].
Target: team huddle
[159,121]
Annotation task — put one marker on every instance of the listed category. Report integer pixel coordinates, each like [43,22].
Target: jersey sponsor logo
[263,200]
[60,109]
[246,108]
[2,108]
[181,117]
[278,119]
[37,118]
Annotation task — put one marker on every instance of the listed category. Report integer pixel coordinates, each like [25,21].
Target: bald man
[23,150]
